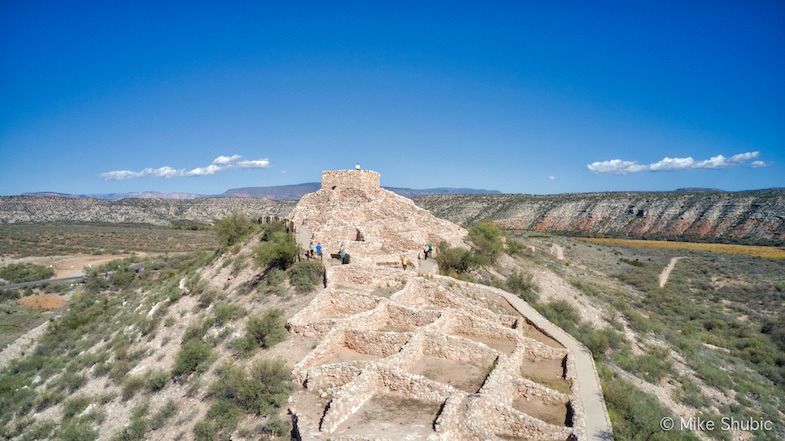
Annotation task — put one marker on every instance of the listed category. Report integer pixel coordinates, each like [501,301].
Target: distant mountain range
[279,193]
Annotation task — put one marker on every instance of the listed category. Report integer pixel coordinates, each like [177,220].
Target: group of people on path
[314,251]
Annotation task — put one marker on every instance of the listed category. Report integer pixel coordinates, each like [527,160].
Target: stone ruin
[372,224]
[404,355]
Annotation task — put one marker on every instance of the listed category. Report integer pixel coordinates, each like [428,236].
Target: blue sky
[522,97]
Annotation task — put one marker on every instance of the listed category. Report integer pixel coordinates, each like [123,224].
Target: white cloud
[220,163]
[552,178]
[621,167]
[758,164]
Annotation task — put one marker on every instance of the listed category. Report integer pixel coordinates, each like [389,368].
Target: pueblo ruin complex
[409,354]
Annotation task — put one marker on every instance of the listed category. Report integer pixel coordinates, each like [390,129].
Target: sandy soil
[550,412]
[549,373]
[45,302]
[392,416]
[66,266]
[457,374]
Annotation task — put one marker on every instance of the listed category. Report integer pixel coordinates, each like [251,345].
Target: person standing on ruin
[311,249]
[357,166]
[425,251]
[319,250]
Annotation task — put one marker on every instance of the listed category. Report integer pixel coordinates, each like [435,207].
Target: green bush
[268,329]
[651,366]
[636,415]
[157,380]
[74,406]
[233,228]
[220,422]
[487,240]
[522,284]
[194,356]
[513,247]
[132,385]
[562,313]
[122,277]
[272,283]
[226,312]
[280,251]
[455,260]
[78,429]
[305,275]
[163,414]
[262,390]
[25,272]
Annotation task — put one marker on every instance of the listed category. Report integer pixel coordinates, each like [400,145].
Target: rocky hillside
[752,216]
[16,209]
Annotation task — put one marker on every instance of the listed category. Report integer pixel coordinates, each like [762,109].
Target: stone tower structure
[352,211]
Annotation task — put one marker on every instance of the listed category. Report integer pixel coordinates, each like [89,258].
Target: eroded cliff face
[753,215]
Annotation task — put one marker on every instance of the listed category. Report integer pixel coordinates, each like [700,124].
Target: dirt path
[667,271]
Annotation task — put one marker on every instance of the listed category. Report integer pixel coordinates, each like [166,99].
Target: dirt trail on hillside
[666,272]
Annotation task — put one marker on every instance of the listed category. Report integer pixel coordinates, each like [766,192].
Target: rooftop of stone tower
[351,178]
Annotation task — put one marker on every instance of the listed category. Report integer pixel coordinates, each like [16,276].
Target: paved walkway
[597,420]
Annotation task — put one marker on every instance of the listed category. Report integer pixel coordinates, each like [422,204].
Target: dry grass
[747,250]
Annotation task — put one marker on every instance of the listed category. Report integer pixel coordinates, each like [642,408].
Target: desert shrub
[263,389]
[220,422]
[137,427]
[194,356]
[276,427]
[266,230]
[562,313]
[279,251]
[455,260]
[122,277]
[196,330]
[487,240]
[40,429]
[270,386]
[522,284]
[132,385]
[651,366]
[267,329]
[78,429]
[25,272]
[74,406]
[691,395]
[305,275]
[166,411]
[48,398]
[513,247]
[635,414]
[9,294]
[226,312]
[233,228]
[68,382]
[157,381]
[635,262]
[272,283]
